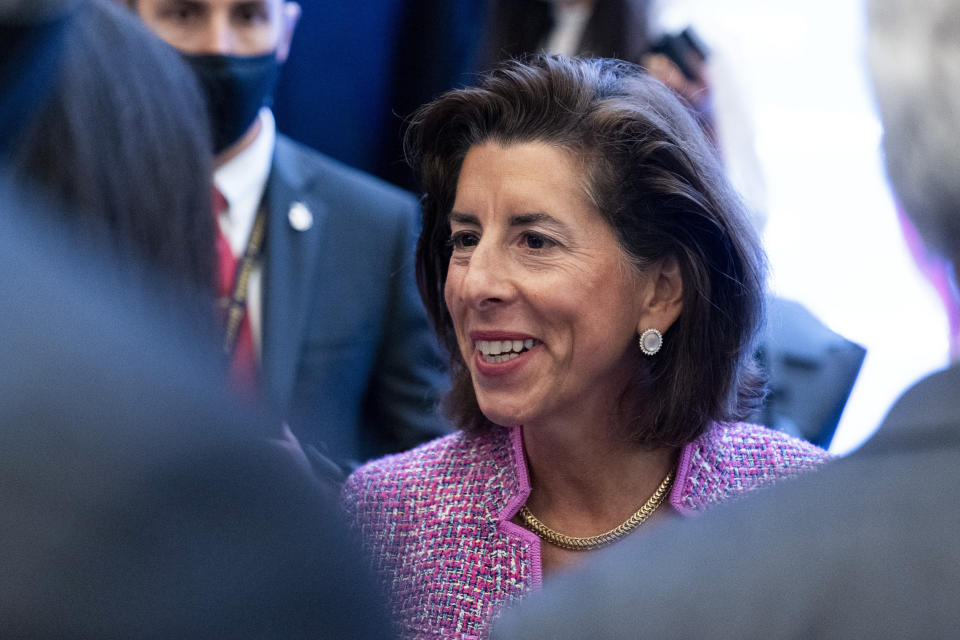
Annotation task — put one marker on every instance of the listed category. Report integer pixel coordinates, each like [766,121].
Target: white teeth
[492,349]
[499,359]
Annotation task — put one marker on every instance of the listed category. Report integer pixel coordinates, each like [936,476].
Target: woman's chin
[503,418]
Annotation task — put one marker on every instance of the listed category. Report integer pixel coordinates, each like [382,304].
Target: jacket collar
[516,482]
[517,493]
[519,486]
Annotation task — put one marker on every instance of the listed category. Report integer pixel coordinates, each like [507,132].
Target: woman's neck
[586,481]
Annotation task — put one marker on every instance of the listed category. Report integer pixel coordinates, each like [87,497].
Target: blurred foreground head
[138,499]
[116,137]
[914,54]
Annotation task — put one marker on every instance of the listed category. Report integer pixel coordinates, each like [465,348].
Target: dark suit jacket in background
[332,92]
[138,499]
[615,29]
[348,355]
[436,48]
[357,69]
[865,548]
[811,371]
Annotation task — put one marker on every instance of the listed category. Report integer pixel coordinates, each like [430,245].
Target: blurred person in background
[325,316]
[598,287]
[867,547]
[139,498]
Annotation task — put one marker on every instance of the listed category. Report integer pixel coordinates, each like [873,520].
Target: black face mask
[236,87]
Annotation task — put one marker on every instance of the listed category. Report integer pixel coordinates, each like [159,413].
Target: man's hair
[655,180]
[914,54]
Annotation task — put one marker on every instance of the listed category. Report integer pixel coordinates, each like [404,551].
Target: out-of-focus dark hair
[121,141]
[653,177]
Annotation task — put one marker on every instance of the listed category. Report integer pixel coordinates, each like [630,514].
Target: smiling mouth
[497,351]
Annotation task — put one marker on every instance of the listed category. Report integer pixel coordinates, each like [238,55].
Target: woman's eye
[537,241]
[464,240]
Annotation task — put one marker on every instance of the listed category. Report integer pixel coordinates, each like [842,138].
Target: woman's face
[544,302]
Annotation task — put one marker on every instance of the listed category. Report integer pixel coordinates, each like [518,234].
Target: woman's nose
[487,277]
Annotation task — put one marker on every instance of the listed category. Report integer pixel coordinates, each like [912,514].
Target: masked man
[323,315]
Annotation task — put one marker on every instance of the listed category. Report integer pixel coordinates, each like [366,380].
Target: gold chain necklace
[595,542]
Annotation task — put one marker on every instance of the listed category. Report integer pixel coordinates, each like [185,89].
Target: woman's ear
[662,296]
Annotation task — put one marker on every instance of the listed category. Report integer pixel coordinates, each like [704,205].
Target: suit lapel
[289,270]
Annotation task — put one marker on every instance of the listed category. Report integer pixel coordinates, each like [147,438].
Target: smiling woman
[532,260]
[598,288]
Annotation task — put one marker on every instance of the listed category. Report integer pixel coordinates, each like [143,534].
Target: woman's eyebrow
[464,218]
[519,220]
[527,219]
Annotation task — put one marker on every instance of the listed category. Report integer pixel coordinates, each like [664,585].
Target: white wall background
[832,234]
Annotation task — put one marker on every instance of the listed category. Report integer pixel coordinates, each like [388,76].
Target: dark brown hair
[655,179]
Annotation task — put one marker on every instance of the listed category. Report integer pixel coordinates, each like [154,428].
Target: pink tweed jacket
[436,519]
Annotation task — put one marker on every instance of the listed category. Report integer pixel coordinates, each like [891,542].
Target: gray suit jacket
[865,548]
[348,356]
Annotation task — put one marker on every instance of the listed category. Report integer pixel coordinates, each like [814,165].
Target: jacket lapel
[289,269]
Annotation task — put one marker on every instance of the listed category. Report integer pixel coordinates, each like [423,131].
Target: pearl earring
[650,342]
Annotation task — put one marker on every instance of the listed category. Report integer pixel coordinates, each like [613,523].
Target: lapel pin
[300,217]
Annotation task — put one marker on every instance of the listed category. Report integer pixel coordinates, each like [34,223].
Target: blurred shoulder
[733,459]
